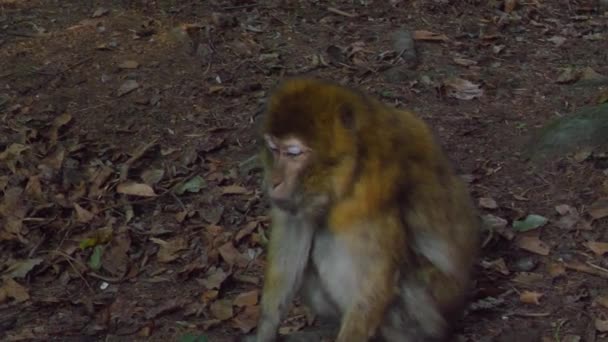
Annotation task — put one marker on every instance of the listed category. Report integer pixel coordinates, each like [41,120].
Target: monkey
[370,225]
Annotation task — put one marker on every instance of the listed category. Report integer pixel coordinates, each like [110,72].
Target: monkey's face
[288,163]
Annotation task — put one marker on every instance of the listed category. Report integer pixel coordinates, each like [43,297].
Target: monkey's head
[309,130]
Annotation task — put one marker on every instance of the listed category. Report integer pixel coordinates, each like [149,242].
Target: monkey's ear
[347,116]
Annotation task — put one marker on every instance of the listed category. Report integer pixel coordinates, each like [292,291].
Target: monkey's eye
[271,145]
[294,151]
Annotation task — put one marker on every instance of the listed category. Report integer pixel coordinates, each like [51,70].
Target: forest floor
[129,200]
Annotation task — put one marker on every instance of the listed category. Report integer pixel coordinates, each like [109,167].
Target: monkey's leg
[289,251]
[364,316]
[416,315]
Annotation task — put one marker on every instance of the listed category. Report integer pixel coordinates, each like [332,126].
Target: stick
[340,12]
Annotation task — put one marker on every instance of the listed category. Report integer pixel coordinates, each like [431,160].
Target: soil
[102,103]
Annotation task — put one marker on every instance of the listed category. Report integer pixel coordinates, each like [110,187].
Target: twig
[107,279]
[587,268]
[69,260]
[238,7]
[341,12]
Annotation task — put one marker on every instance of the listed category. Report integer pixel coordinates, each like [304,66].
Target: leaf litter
[92,151]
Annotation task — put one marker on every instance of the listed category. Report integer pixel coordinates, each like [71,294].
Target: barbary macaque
[369,223]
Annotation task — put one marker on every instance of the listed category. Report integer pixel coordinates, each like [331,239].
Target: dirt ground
[130,203]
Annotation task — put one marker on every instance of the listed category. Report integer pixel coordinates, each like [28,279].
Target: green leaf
[192,338]
[195,184]
[531,222]
[88,242]
[95,260]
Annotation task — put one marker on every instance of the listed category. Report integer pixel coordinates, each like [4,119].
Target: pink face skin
[290,158]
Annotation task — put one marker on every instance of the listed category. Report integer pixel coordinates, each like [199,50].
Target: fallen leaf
[599,209]
[601,324]
[209,296]
[234,190]
[510,5]
[487,203]
[498,265]
[135,189]
[20,268]
[568,75]
[127,87]
[83,215]
[464,61]
[194,184]
[12,289]
[232,256]
[245,231]
[100,11]
[602,97]
[528,278]
[168,249]
[564,209]
[248,319]
[249,298]
[557,40]
[602,300]
[129,64]
[116,259]
[589,74]
[214,279]
[430,36]
[556,269]
[599,248]
[222,309]
[462,89]
[95,259]
[530,297]
[531,222]
[532,244]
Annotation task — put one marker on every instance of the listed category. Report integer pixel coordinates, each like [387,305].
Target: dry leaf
[20,268]
[248,319]
[168,249]
[214,279]
[135,189]
[601,324]
[533,244]
[127,87]
[599,209]
[462,89]
[530,297]
[556,269]
[83,215]
[209,296]
[100,11]
[12,289]
[602,301]
[428,35]
[498,265]
[528,278]
[130,64]
[510,5]
[222,309]
[234,190]
[464,61]
[599,248]
[249,298]
[487,203]
[564,209]
[232,256]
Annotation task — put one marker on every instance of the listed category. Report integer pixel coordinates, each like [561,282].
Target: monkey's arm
[444,232]
[289,250]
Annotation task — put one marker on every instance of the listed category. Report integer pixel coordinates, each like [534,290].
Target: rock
[584,129]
